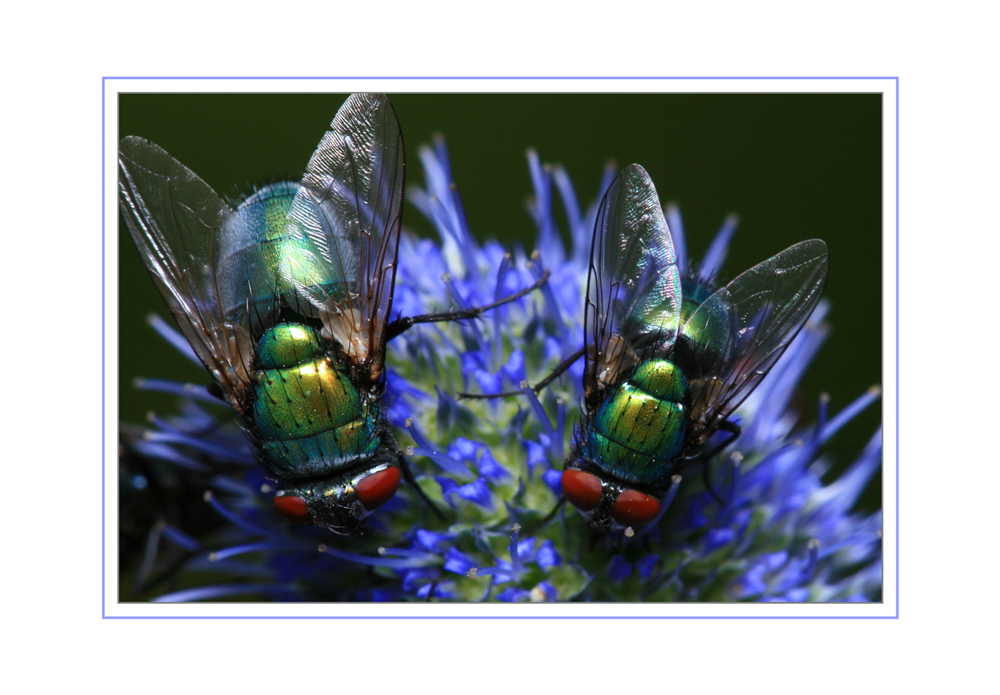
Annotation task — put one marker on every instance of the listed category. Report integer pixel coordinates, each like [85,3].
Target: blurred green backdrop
[792,166]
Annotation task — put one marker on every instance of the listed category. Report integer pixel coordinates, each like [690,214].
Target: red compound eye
[378,488]
[292,508]
[582,489]
[632,508]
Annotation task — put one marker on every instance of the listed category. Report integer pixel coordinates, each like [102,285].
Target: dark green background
[793,166]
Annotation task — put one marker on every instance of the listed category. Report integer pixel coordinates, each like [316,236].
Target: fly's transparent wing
[633,286]
[740,331]
[174,218]
[346,217]
[251,247]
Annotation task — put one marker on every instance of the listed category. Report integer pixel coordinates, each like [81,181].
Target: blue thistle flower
[198,517]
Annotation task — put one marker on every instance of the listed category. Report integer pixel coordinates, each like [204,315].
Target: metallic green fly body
[287,301]
[668,359]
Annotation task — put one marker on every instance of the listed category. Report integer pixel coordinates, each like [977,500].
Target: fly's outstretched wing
[174,219]
[738,333]
[633,286]
[346,217]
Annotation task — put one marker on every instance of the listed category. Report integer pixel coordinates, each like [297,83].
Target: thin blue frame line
[104,367]
[499,617]
[104,407]
[897,347]
[575,78]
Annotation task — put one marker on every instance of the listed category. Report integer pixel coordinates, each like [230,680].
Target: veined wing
[346,217]
[633,286]
[747,325]
[174,219]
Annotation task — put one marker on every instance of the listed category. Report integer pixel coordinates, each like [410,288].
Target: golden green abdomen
[311,419]
[640,428]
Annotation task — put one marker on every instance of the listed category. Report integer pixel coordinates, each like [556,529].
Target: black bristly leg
[404,466]
[402,324]
[734,432]
[708,485]
[216,391]
[537,388]
[548,517]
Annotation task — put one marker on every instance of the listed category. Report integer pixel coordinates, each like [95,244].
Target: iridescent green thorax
[264,257]
[639,429]
[311,419]
[695,294]
[701,344]
[688,307]
[266,211]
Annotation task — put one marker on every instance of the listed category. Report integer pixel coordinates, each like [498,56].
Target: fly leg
[404,466]
[734,432]
[548,517]
[708,485]
[537,388]
[402,324]
[215,390]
